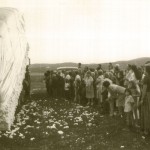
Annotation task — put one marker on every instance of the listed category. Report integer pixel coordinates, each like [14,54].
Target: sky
[86,31]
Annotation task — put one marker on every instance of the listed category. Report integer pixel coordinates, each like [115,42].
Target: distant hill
[44,67]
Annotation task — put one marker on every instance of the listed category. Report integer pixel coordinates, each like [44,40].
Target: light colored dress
[77,83]
[89,87]
[99,85]
[128,103]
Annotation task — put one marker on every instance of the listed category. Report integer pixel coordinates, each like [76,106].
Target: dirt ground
[55,124]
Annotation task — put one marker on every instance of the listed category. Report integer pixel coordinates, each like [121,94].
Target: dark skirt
[145,113]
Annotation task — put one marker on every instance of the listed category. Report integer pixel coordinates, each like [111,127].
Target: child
[135,91]
[128,107]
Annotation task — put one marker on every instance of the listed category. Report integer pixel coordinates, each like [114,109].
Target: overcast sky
[87,31]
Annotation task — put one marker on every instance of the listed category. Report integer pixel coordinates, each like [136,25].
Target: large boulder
[13,60]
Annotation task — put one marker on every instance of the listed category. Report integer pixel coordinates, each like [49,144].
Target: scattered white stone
[21,135]
[32,139]
[11,137]
[60,132]
[66,127]
[53,126]
[89,124]
[76,124]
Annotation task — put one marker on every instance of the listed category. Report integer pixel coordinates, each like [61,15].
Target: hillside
[44,67]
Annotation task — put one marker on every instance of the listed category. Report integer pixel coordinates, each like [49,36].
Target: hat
[78,77]
[100,72]
[117,65]
[68,77]
[88,72]
[147,64]
[106,75]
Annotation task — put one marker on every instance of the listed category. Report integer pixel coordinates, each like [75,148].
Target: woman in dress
[89,88]
[77,84]
[99,84]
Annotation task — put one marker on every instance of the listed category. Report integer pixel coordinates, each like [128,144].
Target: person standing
[67,87]
[46,78]
[99,84]
[89,88]
[111,68]
[54,84]
[145,101]
[61,84]
[99,67]
[77,84]
[128,75]
[80,68]
[128,108]
[27,84]
[135,91]
[119,75]
[82,92]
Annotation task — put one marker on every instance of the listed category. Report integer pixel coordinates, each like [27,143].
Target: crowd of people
[117,92]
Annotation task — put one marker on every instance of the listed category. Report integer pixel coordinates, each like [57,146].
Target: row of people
[112,90]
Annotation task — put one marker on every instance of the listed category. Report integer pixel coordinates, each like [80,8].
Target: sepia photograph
[74,75]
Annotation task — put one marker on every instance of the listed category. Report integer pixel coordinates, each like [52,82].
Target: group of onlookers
[125,93]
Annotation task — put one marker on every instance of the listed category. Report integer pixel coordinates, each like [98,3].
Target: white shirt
[67,85]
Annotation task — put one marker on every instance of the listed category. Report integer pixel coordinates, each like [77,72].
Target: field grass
[55,124]
[37,81]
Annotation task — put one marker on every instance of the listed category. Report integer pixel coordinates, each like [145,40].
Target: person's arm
[108,97]
[132,102]
[138,89]
[98,81]
[110,93]
[133,105]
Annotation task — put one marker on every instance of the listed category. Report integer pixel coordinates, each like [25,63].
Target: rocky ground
[47,124]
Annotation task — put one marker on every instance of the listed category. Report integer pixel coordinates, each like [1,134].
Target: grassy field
[55,124]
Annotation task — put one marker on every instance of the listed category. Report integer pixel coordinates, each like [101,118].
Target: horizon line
[91,62]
